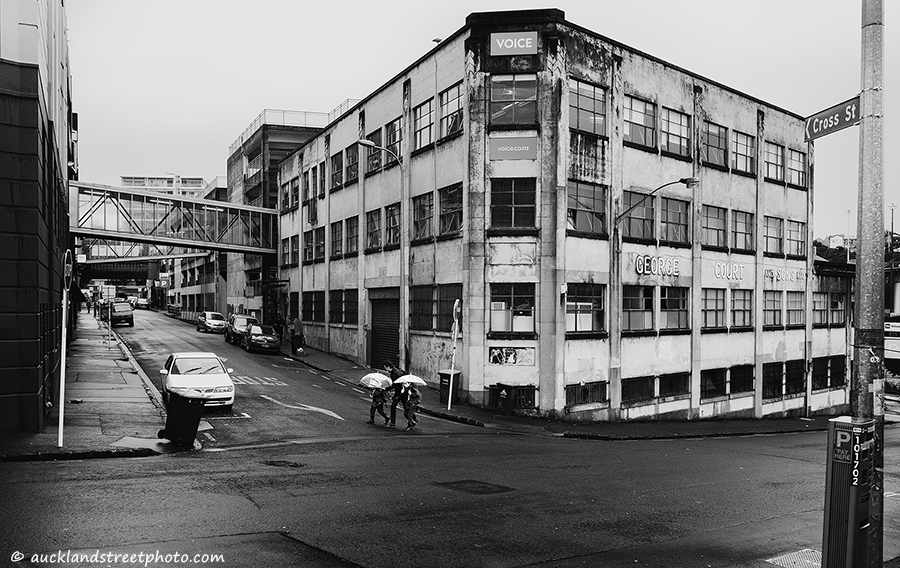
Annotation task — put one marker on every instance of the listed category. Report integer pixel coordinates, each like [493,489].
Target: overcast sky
[167,85]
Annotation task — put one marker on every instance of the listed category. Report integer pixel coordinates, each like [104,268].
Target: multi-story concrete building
[626,238]
[38,156]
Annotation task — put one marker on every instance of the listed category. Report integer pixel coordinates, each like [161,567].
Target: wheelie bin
[506,399]
[182,420]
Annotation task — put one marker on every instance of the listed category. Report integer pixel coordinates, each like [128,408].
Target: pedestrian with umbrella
[396,373]
[379,385]
[411,398]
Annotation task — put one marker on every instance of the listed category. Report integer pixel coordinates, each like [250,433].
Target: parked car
[142,303]
[122,312]
[198,375]
[236,325]
[211,321]
[262,337]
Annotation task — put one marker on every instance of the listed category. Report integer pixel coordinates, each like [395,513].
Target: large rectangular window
[295,192]
[742,231]
[637,308]
[585,307]
[773,380]
[447,294]
[336,306]
[795,377]
[514,99]
[837,308]
[512,307]
[640,122]
[673,308]
[451,111]
[352,153]
[285,251]
[352,225]
[673,384]
[712,383]
[673,220]
[774,235]
[796,238]
[423,213]
[319,239]
[838,364]
[774,156]
[637,389]
[423,124]
[586,207]
[373,155]
[295,249]
[743,152]
[741,379]
[820,373]
[392,224]
[393,135]
[714,140]
[820,308]
[351,306]
[795,309]
[796,167]
[513,202]
[450,214]
[714,226]
[587,107]
[421,308]
[337,238]
[373,230]
[337,170]
[741,308]
[638,223]
[772,307]
[308,246]
[713,308]
[675,132]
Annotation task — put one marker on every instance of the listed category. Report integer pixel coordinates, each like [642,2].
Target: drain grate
[282,463]
[806,558]
[474,487]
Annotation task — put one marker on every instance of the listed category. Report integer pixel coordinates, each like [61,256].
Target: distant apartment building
[626,239]
[38,157]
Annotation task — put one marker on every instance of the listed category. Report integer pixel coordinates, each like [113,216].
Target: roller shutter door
[385,332]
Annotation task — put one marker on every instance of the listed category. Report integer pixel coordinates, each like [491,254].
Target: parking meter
[848,485]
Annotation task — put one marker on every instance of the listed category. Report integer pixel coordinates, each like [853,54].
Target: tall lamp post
[404,262]
[891,260]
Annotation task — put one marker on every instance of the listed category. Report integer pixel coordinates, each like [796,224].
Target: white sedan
[198,375]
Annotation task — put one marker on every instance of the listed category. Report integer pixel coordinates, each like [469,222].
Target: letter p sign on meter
[848,486]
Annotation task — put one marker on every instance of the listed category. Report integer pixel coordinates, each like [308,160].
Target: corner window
[450,213]
[774,156]
[673,222]
[513,202]
[796,167]
[587,108]
[637,308]
[673,308]
[451,111]
[423,211]
[713,308]
[586,211]
[423,124]
[512,307]
[774,235]
[640,122]
[714,226]
[638,223]
[585,307]
[373,229]
[714,144]
[675,128]
[514,99]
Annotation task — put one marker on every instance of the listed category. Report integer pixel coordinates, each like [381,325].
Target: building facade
[38,156]
[625,239]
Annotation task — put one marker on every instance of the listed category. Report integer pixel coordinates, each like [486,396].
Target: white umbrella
[375,381]
[411,379]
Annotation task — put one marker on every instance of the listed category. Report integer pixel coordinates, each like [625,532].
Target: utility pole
[868,400]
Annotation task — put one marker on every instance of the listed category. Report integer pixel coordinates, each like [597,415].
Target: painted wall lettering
[658,265]
[516,43]
[729,271]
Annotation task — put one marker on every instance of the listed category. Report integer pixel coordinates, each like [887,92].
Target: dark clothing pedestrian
[396,373]
[413,399]
[379,397]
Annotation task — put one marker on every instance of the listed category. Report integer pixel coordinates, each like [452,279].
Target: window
[838,370]
[742,233]
[351,306]
[423,125]
[307,310]
[514,99]
[586,393]
[640,122]
[294,310]
[714,144]
[637,308]
[586,207]
[423,211]
[308,246]
[285,251]
[313,181]
[796,238]
[820,308]
[393,134]
[741,308]
[319,239]
[741,379]
[447,294]
[352,224]
[795,377]
[373,155]
[313,306]
[322,180]
[421,308]
[673,223]
[714,226]
[352,153]
[451,111]
[337,238]
[713,308]
[512,307]
[673,308]
[796,167]
[295,191]
[587,108]
[637,389]
[450,209]
[675,134]
[373,229]
[774,156]
[674,384]
[772,307]
[336,306]
[712,383]
[743,152]
[774,234]
[285,196]
[837,308]
[305,177]
[392,224]
[820,373]
[513,202]
[295,249]
[638,223]
[337,170]
[795,308]
[772,380]
[585,307]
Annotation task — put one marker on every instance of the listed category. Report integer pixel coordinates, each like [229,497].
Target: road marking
[359,391]
[265,381]
[241,415]
[317,386]
[302,406]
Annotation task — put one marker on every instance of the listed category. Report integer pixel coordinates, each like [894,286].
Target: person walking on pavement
[379,397]
[396,373]
[413,399]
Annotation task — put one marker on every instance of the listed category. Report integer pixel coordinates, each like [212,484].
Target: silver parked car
[211,321]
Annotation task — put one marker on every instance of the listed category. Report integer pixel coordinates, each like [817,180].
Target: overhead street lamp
[404,261]
[688,181]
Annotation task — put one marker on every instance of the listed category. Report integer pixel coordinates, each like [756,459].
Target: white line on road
[359,391]
[228,417]
[317,386]
[302,406]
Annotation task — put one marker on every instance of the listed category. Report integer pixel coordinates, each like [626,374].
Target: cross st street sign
[833,119]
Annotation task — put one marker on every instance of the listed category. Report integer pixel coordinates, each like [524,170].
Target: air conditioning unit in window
[500,317]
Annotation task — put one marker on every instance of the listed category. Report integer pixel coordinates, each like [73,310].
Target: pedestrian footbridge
[139,216]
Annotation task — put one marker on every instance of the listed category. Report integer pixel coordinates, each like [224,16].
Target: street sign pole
[67,283]
[453,351]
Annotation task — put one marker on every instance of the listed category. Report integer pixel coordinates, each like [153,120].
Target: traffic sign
[833,119]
